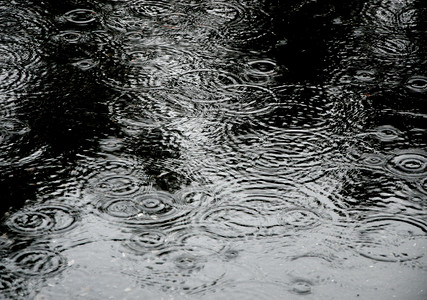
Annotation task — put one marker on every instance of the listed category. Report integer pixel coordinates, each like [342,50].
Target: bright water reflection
[213,149]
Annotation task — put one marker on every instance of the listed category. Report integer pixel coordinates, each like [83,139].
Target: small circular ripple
[85,64]
[373,160]
[387,133]
[118,185]
[392,238]
[232,221]
[146,241]
[417,84]
[37,263]
[43,219]
[120,208]
[260,71]
[69,37]
[146,209]
[80,16]
[409,163]
[301,287]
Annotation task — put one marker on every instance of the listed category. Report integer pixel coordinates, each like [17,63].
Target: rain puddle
[213,149]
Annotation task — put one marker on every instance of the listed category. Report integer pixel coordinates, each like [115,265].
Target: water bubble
[417,84]
[409,163]
[80,16]
[37,263]
[118,185]
[392,238]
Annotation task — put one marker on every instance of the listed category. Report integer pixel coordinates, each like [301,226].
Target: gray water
[213,149]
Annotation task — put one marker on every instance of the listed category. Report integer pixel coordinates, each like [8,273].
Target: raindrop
[409,163]
[262,67]
[37,263]
[80,16]
[392,238]
[187,262]
[417,84]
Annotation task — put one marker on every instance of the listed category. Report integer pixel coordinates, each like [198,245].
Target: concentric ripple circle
[417,84]
[145,241]
[154,207]
[392,238]
[120,208]
[80,16]
[225,13]
[408,163]
[232,221]
[118,185]
[37,263]
[43,219]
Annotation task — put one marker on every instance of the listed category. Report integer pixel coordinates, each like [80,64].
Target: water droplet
[156,203]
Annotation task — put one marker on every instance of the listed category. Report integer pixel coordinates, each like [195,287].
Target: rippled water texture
[212,149]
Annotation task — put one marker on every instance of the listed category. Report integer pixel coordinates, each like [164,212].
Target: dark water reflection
[208,149]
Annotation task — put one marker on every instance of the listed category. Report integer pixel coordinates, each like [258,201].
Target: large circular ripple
[43,219]
[152,208]
[392,238]
[409,163]
[37,263]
